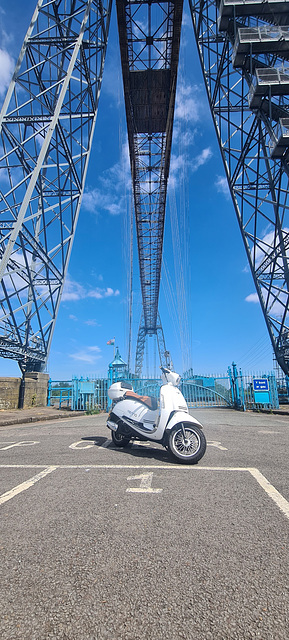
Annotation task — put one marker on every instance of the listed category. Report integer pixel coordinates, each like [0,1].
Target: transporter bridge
[46,127]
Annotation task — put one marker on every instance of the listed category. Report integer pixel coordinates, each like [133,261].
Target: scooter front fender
[181,416]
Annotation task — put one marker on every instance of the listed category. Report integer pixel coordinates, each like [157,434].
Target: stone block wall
[9,393]
[36,385]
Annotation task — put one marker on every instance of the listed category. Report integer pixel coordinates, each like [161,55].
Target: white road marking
[25,485]
[145,485]
[217,444]
[105,444]
[267,431]
[142,444]
[262,481]
[271,491]
[90,443]
[124,466]
[22,443]
[75,445]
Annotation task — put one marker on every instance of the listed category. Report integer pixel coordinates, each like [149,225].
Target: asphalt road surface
[100,543]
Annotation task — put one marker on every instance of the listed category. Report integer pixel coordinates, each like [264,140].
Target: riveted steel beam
[46,127]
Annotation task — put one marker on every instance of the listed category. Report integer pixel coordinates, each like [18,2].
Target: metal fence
[204,391]
[79,394]
[236,390]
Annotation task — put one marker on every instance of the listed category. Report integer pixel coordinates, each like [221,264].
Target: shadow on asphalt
[98,440]
[135,450]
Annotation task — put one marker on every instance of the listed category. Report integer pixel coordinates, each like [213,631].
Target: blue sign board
[261,384]
[261,390]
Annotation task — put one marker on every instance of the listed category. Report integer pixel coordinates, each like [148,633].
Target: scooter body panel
[153,424]
[137,416]
[182,416]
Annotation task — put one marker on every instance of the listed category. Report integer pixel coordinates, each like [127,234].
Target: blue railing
[236,390]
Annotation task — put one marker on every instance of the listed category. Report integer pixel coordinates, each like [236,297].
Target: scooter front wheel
[187,443]
[119,440]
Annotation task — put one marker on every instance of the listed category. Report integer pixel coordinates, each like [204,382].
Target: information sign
[261,384]
[261,390]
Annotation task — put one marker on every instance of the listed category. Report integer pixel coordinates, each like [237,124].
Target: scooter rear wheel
[187,443]
[119,440]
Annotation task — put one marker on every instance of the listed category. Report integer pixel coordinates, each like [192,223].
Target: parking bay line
[25,485]
[271,491]
[277,497]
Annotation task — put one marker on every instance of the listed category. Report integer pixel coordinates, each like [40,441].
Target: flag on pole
[111,341]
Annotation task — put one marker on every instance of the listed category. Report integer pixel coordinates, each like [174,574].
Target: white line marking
[217,444]
[22,443]
[271,491]
[262,481]
[171,467]
[105,444]
[88,445]
[25,485]
[145,485]
[266,431]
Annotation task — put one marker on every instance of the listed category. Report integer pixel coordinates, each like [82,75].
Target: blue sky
[205,263]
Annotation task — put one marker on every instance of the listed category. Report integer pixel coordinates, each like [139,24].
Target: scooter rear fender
[181,416]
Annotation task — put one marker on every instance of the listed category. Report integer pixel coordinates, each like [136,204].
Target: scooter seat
[149,401]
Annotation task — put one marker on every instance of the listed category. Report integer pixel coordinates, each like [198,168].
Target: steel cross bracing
[149,35]
[244,52]
[46,128]
[164,355]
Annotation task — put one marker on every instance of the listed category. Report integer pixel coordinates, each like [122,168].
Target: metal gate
[236,390]
[207,392]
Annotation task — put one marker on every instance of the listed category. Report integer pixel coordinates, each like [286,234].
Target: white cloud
[91,323]
[186,19]
[89,355]
[276,307]
[202,158]
[74,291]
[72,317]
[182,162]
[188,105]
[111,194]
[103,293]
[266,245]
[177,163]
[221,184]
[252,297]
[6,71]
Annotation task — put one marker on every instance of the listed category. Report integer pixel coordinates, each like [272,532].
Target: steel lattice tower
[46,127]
[164,355]
[149,36]
[244,52]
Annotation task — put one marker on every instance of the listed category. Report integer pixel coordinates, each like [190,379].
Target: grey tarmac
[102,543]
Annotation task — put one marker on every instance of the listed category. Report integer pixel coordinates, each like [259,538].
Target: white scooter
[134,417]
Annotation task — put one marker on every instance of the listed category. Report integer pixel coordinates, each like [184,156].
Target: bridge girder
[241,47]
[46,127]
[149,36]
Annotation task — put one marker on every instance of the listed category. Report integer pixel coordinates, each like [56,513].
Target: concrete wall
[9,393]
[36,385]
[35,391]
